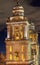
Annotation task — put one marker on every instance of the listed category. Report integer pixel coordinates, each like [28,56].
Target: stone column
[8,31]
[12,31]
[26,32]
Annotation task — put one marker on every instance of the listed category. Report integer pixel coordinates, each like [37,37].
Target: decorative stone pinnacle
[18,1]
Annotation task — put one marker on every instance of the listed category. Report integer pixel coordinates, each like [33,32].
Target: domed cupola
[18,13]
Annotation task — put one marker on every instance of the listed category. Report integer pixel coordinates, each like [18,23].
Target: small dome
[18,11]
[18,14]
[18,7]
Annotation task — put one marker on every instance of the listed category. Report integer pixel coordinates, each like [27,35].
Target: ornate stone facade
[19,38]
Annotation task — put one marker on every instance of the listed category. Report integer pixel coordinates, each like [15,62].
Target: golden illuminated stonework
[22,40]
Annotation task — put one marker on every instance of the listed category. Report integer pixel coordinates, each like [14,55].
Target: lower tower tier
[18,52]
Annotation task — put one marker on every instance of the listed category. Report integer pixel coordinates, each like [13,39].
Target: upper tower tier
[18,11]
[17,25]
[18,14]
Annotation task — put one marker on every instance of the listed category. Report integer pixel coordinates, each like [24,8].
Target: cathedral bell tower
[18,50]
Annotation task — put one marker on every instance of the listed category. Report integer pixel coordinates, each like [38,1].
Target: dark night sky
[3,35]
[3,32]
[36,3]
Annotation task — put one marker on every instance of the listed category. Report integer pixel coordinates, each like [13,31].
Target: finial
[18,2]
